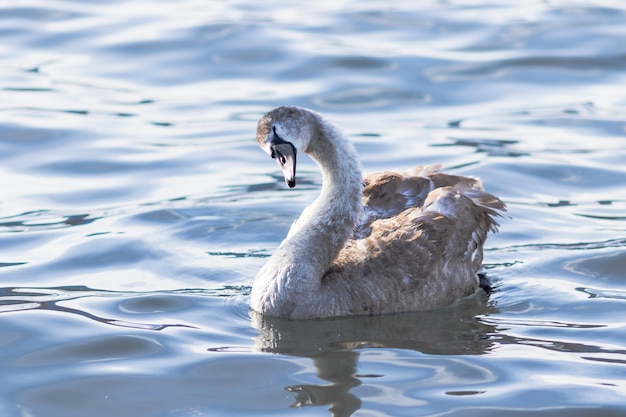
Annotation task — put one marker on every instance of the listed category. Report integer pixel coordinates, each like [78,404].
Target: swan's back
[419,242]
[388,193]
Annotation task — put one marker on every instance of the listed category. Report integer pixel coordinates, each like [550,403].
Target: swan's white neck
[294,272]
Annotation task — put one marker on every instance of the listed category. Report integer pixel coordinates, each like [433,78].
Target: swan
[387,243]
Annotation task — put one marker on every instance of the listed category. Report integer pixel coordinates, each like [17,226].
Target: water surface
[136,207]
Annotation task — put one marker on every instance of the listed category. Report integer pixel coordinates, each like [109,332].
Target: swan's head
[282,133]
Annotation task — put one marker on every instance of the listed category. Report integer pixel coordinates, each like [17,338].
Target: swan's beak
[285,155]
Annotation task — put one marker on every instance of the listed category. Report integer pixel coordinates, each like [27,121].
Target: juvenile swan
[386,243]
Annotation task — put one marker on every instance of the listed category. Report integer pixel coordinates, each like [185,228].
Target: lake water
[136,207]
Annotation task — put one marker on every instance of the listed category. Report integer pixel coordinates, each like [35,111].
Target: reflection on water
[333,345]
[339,370]
[136,207]
[452,331]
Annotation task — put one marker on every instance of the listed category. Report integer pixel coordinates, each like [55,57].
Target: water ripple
[13,299]
[43,220]
[610,243]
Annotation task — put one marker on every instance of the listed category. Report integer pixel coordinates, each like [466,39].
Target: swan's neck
[294,272]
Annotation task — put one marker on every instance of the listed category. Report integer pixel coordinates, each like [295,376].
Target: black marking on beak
[285,155]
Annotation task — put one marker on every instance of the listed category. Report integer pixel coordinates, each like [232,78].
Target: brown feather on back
[441,220]
[388,193]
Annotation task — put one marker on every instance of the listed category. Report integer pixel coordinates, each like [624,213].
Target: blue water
[136,207]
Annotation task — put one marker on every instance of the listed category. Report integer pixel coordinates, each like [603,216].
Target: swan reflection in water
[333,345]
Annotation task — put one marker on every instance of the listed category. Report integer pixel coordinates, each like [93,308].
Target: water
[136,207]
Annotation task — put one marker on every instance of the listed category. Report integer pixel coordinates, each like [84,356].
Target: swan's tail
[490,204]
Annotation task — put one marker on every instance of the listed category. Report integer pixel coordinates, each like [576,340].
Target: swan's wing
[387,194]
[425,257]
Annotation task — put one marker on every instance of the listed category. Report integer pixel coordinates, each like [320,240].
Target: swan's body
[388,243]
